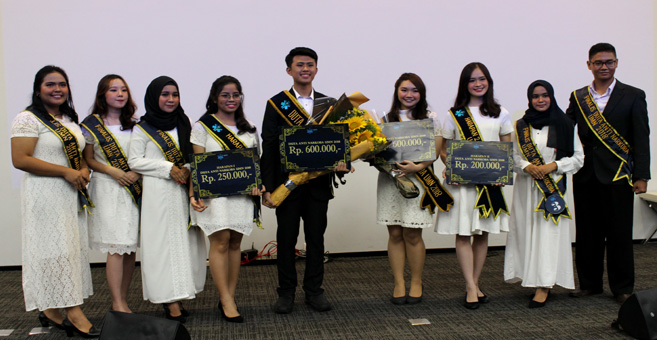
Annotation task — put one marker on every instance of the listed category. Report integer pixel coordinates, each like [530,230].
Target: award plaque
[225,173]
[481,162]
[411,140]
[314,147]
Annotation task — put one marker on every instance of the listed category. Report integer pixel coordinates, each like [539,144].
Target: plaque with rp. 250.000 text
[314,147]
[481,162]
[225,173]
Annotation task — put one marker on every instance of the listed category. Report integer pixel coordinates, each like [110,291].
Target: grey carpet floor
[359,288]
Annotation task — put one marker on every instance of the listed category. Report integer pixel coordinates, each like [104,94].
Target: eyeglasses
[228,96]
[611,63]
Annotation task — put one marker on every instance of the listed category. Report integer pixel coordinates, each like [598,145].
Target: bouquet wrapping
[365,139]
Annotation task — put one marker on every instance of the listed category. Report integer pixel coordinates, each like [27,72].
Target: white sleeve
[154,167]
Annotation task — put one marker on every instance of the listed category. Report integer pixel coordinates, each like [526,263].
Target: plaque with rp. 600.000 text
[410,140]
[314,147]
[225,173]
[481,162]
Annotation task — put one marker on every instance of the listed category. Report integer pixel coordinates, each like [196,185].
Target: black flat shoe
[470,305]
[412,300]
[235,319]
[398,300]
[167,313]
[70,329]
[45,322]
[483,299]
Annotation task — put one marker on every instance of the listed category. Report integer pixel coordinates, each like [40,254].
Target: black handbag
[638,315]
[121,326]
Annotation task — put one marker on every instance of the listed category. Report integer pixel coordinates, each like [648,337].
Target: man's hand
[267,202]
[640,186]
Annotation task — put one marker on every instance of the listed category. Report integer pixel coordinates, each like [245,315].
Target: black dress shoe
[584,292]
[398,300]
[235,319]
[621,298]
[470,305]
[284,305]
[167,313]
[318,302]
[71,329]
[45,322]
[483,299]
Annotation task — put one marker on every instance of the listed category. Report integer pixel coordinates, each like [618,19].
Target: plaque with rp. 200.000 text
[225,173]
[481,162]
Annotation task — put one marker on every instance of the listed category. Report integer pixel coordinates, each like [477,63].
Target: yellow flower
[365,136]
[354,123]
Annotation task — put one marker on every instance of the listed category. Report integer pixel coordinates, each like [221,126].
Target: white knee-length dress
[463,219]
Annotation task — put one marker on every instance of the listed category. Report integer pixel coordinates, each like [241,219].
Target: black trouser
[288,215]
[604,215]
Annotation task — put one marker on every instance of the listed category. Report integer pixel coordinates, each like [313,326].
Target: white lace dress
[114,222]
[462,218]
[56,271]
[232,212]
[173,256]
[392,208]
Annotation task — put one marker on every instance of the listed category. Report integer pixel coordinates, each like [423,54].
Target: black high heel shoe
[45,322]
[167,313]
[183,311]
[70,328]
[235,319]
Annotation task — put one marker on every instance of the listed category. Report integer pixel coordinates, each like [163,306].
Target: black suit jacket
[627,112]
[270,161]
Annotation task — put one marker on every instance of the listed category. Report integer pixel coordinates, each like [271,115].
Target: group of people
[140,191]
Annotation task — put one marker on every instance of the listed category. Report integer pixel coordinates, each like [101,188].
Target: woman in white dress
[173,255]
[538,247]
[114,222]
[470,225]
[224,219]
[403,216]
[56,273]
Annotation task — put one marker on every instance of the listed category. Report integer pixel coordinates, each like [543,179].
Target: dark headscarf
[561,132]
[166,121]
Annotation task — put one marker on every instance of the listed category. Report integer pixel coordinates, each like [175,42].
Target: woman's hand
[197,204]
[258,192]
[181,175]
[539,172]
[342,167]
[78,179]
[407,168]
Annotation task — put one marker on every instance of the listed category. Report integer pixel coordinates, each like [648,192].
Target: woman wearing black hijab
[538,247]
[173,256]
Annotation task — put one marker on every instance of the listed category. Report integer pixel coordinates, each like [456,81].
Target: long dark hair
[489,107]
[100,104]
[420,109]
[212,107]
[37,104]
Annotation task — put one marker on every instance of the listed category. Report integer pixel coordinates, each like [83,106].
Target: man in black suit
[616,166]
[308,201]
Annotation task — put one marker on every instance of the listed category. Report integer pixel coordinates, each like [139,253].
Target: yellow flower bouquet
[365,139]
